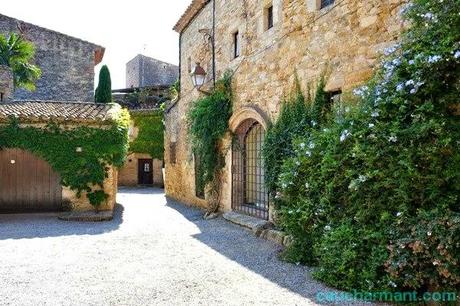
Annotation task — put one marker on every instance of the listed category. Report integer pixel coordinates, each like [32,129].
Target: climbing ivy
[151,134]
[57,143]
[208,123]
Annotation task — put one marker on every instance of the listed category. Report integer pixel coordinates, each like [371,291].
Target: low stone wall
[71,201]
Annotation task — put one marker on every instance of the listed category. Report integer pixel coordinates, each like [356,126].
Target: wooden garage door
[27,183]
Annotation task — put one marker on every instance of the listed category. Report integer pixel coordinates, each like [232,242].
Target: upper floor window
[236,45]
[325,3]
[1,96]
[268,14]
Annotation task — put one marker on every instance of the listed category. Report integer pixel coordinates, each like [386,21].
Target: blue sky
[125,28]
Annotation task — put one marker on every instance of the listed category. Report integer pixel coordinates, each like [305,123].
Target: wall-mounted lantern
[198,75]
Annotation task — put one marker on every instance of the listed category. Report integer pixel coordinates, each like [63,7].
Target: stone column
[6,84]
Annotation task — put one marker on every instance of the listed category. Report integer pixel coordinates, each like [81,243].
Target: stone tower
[6,84]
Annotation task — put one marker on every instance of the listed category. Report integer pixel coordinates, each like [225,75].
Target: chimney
[6,84]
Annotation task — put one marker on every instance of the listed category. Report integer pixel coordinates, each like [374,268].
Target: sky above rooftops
[124,28]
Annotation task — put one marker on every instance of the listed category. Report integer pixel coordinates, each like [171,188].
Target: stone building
[266,43]
[141,168]
[67,63]
[143,71]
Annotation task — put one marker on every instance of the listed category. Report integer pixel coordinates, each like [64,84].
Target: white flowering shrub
[373,197]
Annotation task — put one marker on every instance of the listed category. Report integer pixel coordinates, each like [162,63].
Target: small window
[1,96]
[325,3]
[269,17]
[172,153]
[236,44]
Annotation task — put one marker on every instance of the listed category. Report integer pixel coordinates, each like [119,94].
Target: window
[269,17]
[325,3]
[236,44]
[189,65]
[172,153]
[335,96]
[1,96]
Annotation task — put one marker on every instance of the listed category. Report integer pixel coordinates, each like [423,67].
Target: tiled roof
[59,111]
[191,11]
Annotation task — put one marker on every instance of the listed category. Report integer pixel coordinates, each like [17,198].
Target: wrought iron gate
[249,194]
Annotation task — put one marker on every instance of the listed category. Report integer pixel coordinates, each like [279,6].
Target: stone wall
[6,84]
[67,63]
[128,174]
[345,39]
[75,203]
[143,71]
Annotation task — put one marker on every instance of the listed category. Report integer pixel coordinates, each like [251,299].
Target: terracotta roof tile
[60,111]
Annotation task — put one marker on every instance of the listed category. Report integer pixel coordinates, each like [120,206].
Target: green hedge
[372,197]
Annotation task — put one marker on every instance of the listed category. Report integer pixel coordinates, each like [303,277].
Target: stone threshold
[87,216]
[259,227]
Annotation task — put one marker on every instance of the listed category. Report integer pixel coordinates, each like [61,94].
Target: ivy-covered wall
[83,153]
[150,137]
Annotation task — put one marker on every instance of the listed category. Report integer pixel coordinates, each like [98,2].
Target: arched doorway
[27,183]
[249,194]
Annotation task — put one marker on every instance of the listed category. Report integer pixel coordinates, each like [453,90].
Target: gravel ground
[154,252]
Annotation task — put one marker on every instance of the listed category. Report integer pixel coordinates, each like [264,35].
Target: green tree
[104,87]
[18,54]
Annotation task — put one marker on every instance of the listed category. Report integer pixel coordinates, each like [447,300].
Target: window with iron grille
[325,3]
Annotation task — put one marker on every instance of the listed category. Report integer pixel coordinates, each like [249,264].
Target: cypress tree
[104,87]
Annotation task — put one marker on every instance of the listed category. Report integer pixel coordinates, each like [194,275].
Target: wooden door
[27,183]
[145,172]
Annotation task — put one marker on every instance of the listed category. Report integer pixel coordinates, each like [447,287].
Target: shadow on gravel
[255,254]
[27,226]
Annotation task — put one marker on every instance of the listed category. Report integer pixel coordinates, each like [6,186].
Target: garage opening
[28,183]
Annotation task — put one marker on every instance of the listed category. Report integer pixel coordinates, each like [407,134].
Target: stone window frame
[269,16]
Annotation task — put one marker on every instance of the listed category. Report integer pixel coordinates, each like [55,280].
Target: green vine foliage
[299,114]
[208,122]
[102,147]
[151,134]
[372,197]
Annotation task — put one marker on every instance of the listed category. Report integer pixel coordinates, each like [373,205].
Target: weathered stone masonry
[67,63]
[347,37]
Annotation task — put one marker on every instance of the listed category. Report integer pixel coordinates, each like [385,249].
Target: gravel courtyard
[154,252]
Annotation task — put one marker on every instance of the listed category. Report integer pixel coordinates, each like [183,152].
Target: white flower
[283,185]
[362,178]
[307,186]
[302,145]
[411,62]
[393,138]
[397,61]
[410,82]
[372,136]
[344,135]
[297,163]
[428,233]
[308,153]
[311,145]
[347,109]
[313,123]
[413,90]
[375,114]
[371,125]
[434,59]
[327,228]
[361,91]
[398,214]
[392,284]
[400,87]
[457,54]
